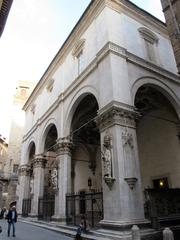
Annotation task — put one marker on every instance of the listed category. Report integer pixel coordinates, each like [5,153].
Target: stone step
[99,234]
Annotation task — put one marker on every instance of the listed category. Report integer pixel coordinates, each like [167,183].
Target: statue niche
[107,161]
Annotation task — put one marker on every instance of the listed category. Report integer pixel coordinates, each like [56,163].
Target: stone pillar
[23,186]
[39,163]
[122,193]
[63,150]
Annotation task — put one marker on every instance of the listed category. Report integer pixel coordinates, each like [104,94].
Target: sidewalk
[99,234]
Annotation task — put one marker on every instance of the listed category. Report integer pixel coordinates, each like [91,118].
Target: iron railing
[162,206]
[87,204]
[46,209]
[26,207]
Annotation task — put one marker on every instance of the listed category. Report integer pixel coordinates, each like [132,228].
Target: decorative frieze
[116,115]
[39,161]
[63,146]
[24,170]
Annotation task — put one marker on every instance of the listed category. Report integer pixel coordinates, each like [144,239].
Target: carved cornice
[64,146]
[24,170]
[39,161]
[116,115]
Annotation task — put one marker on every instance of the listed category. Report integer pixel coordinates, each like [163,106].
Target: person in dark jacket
[11,219]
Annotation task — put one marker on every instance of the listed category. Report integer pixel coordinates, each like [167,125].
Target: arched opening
[47,202]
[50,155]
[86,158]
[26,205]
[32,150]
[158,143]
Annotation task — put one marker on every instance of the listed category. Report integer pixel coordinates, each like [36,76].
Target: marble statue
[107,157]
[54,179]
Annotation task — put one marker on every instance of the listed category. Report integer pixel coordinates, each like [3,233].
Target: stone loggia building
[171,9]
[102,123]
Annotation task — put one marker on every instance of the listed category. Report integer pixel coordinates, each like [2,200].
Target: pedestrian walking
[11,219]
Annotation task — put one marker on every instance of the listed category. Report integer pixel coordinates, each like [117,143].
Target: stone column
[39,163]
[122,193]
[23,186]
[63,150]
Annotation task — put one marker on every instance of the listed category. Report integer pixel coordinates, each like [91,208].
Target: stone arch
[76,99]
[161,87]
[85,136]
[48,141]
[31,150]
[48,125]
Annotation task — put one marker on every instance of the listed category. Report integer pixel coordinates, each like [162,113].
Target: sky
[34,32]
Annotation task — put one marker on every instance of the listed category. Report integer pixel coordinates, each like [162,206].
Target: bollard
[168,234]
[135,233]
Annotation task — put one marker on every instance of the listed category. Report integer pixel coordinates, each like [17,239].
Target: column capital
[64,146]
[25,170]
[116,114]
[39,161]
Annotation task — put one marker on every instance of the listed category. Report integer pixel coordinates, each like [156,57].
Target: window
[80,62]
[50,84]
[33,108]
[161,183]
[78,54]
[150,44]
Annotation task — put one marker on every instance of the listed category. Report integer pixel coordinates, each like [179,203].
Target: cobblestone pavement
[25,231]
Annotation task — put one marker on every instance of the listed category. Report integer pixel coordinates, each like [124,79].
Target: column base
[125,224]
[33,215]
[59,219]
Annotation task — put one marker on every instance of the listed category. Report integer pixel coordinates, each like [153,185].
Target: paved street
[26,231]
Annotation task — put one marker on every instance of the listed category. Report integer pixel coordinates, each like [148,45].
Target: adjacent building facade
[102,123]
[11,152]
[171,11]
[3,180]
[5,6]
